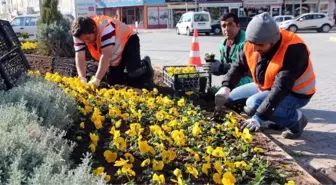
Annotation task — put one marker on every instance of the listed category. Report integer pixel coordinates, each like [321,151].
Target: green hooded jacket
[232,56]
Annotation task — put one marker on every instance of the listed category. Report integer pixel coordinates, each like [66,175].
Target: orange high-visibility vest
[305,84]
[122,34]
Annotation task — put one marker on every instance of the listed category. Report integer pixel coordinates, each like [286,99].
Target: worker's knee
[252,103]
[249,111]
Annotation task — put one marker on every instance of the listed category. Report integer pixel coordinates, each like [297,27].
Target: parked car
[280,18]
[189,21]
[28,24]
[216,27]
[309,21]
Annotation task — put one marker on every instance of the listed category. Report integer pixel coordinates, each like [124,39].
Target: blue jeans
[285,114]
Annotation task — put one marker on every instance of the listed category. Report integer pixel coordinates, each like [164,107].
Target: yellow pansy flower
[110,156]
[159,178]
[157,165]
[258,149]
[129,157]
[193,171]
[205,168]
[145,162]
[291,182]
[94,138]
[217,178]
[228,179]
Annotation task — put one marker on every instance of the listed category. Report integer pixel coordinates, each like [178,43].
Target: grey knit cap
[262,29]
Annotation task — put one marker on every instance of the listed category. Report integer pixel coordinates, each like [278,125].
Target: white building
[18,7]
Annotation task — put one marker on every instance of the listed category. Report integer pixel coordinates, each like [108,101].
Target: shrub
[79,176]
[25,142]
[50,102]
[50,12]
[23,35]
[55,39]
[33,154]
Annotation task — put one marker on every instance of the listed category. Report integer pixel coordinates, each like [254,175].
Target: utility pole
[196,5]
[40,5]
[293,8]
[300,7]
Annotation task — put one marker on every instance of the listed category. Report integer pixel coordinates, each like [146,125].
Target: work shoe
[149,66]
[297,130]
[276,127]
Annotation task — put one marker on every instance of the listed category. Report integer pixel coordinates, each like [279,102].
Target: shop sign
[183,1]
[118,3]
[266,2]
[85,8]
[152,2]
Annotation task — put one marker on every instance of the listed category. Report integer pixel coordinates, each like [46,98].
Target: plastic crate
[3,44]
[197,81]
[3,85]
[64,66]
[12,39]
[12,65]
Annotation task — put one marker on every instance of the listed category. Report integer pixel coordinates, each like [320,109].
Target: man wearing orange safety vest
[283,76]
[115,46]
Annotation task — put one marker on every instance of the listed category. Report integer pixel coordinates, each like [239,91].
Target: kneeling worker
[283,76]
[116,46]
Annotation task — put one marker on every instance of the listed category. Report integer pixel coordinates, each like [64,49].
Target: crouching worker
[115,46]
[283,76]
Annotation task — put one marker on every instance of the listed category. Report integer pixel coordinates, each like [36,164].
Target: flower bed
[145,137]
[272,155]
[29,47]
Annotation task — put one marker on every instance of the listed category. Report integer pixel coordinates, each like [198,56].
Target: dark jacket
[295,63]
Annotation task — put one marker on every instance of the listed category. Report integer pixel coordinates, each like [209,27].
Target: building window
[324,8]
[216,12]
[139,15]
[252,11]
[19,21]
[130,16]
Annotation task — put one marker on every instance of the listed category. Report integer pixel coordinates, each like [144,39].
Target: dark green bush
[55,39]
[50,13]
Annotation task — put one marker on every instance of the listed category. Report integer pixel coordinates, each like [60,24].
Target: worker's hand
[95,81]
[253,124]
[83,79]
[221,96]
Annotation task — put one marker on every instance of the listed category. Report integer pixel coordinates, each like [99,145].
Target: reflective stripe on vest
[122,31]
[120,41]
[305,84]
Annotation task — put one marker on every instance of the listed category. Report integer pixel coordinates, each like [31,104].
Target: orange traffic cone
[195,55]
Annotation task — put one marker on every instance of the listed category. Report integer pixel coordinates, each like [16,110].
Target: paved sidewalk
[316,150]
